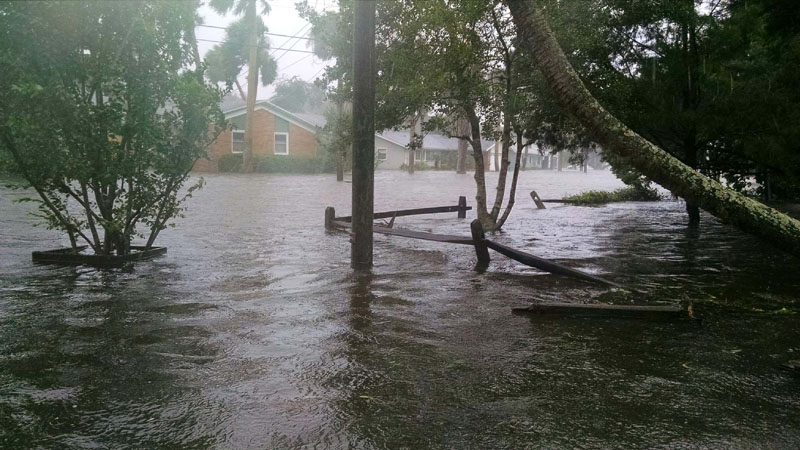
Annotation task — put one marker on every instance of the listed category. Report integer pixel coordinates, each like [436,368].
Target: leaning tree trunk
[728,205]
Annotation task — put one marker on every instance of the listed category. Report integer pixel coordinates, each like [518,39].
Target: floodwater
[252,332]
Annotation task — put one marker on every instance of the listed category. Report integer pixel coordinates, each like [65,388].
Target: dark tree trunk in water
[463,130]
[480,171]
[412,144]
[691,208]
[729,206]
[339,168]
[363,133]
[341,152]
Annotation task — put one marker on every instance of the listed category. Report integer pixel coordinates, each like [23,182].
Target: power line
[320,71]
[299,60]
[274,49]
[270,34]
[301,30]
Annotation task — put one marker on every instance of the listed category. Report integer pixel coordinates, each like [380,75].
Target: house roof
[431,141]
[233,106]
[317,119]
[230,102]
[303,122]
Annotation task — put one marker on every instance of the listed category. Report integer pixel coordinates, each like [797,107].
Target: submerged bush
[230,163]
[418,165]
[290,164]
[626,194]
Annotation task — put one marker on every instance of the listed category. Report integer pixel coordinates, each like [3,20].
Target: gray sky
[282,19]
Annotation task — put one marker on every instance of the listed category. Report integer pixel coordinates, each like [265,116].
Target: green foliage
[103,115]
[336,138]
[296,95]
[275,164]
[626,194]
[418,165]
[714,85]
[230,163]
[290,164]
[226,61]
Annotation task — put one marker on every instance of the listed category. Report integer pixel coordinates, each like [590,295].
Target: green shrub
[230,163]
[418,165]
[626,194]
[290,164]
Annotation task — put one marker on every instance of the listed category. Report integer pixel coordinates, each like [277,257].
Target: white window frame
[378,152]
[275,143]
[233,133]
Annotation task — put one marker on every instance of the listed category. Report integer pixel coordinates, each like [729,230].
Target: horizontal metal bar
[409,212]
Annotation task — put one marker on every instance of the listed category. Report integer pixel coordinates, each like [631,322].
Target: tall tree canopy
[103,111]
[245,40]
[451,59]
[536,37]
[710,82]
[297,95]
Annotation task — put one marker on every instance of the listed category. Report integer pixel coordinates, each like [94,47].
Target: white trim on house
[233,142]
[379,151]
[275,142]
[380,136]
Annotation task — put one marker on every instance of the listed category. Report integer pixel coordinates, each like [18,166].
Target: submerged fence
[477,239]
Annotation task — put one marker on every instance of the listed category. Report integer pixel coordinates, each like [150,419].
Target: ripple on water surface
[253,333]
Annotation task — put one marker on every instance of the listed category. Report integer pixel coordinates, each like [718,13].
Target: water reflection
[95,358]
[252,332]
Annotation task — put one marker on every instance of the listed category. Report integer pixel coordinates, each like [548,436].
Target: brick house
[284,134]
[276,131]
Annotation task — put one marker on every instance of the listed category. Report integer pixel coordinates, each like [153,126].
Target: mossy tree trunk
[729,206]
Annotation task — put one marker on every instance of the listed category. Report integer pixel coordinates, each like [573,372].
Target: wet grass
[626,194]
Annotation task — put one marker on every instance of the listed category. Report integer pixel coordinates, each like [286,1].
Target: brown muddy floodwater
[253,333]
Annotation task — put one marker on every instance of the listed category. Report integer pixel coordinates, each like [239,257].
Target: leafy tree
[336,138]
[103,111]
[245,40]
[296,95]
[226,61]
[538,40]
[452,59]
[709,82]
[330,32]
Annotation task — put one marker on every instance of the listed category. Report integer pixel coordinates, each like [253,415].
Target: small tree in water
[103,112]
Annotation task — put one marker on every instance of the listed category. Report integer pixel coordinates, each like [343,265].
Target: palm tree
[536,37]
[245,43]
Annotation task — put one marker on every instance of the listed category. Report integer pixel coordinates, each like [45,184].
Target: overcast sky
[282,19]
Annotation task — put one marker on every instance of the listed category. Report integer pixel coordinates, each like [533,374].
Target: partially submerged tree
[745,213]
[455,60]
[336,138]
[245,41]
[103,111]
[331,33]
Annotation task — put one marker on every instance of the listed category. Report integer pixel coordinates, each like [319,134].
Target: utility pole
[363,133]
[252,86]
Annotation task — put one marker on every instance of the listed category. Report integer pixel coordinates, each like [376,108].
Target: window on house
[380,154]
[431,155]
[281,143]
[237,137]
